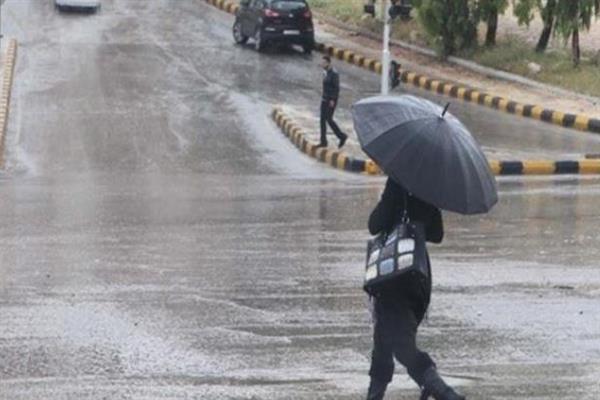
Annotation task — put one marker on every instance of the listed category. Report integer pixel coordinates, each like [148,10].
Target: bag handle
[405,219]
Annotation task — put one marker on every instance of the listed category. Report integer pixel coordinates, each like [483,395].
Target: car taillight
[270,13]
[307,14]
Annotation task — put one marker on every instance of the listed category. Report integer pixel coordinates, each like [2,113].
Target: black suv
[274,21]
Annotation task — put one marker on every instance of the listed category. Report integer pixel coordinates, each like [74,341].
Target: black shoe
[321,145]
[342,141]
[434,386]
[376,390]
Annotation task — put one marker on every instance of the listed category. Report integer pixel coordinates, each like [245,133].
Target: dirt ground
[508,26]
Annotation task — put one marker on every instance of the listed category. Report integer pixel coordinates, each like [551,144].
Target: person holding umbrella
[432,163]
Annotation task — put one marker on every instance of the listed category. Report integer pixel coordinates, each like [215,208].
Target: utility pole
[391,9]
[385,59]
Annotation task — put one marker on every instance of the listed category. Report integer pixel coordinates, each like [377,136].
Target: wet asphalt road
[159,239]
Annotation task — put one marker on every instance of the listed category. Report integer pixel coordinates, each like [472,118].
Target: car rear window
[289,5]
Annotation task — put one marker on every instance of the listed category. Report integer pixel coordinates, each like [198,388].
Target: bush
[451,24]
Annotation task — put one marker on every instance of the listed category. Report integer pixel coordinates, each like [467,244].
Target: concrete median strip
[345,162]
[7,80]
[567,120]
[335,159]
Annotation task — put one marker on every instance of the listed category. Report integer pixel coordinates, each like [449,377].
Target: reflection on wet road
[159,239]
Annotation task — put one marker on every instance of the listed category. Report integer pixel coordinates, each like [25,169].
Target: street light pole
[385,59]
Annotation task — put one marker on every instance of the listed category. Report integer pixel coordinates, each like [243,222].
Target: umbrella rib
[472,161]
[399,150]
[421,159]
[416,135]
[479,174]
[405,123]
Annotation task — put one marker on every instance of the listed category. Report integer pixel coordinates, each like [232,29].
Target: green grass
[351,11]
[344,10]
[511,54]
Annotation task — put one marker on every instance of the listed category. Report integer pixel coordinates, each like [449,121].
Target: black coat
[390,209]
[331,85]
[385,216]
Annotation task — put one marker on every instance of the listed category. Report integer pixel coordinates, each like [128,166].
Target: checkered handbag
[391,255]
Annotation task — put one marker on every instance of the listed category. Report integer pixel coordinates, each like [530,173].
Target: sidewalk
[428,66]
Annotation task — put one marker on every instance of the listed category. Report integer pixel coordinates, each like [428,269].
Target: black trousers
[397,318]
[327,118]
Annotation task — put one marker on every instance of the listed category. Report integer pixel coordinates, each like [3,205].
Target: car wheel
[259,43]
[238,35]
[307,48]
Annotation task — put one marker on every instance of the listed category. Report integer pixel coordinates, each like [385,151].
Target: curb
[460,62]
[545,167]
[344,162]
[336,159]
[577,121]
[7,81]
[225,5]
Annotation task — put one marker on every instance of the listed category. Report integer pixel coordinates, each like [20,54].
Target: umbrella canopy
[428,151]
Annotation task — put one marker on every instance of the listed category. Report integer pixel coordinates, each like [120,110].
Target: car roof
[78,3]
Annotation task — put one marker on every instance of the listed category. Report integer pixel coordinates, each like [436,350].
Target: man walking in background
[331,92]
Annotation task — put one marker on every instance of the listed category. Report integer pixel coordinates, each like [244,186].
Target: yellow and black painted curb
[7,80]
[344,162]
[225,5]
[577,121]
[336,159]
[545,167]
[350,57]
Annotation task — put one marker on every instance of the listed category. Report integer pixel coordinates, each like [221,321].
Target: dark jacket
[331,85]
[384,217]
[390,209]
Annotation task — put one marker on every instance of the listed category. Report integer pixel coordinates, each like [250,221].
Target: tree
[525,11]
[452,24]
[547,12]
[488,11]
[571,17]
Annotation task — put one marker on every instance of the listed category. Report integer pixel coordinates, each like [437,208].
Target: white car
[77,5]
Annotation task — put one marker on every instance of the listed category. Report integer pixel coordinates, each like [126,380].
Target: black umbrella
[427,150]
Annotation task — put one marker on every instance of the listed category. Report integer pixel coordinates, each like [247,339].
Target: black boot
[376,390]
[434,385]
[342,141]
